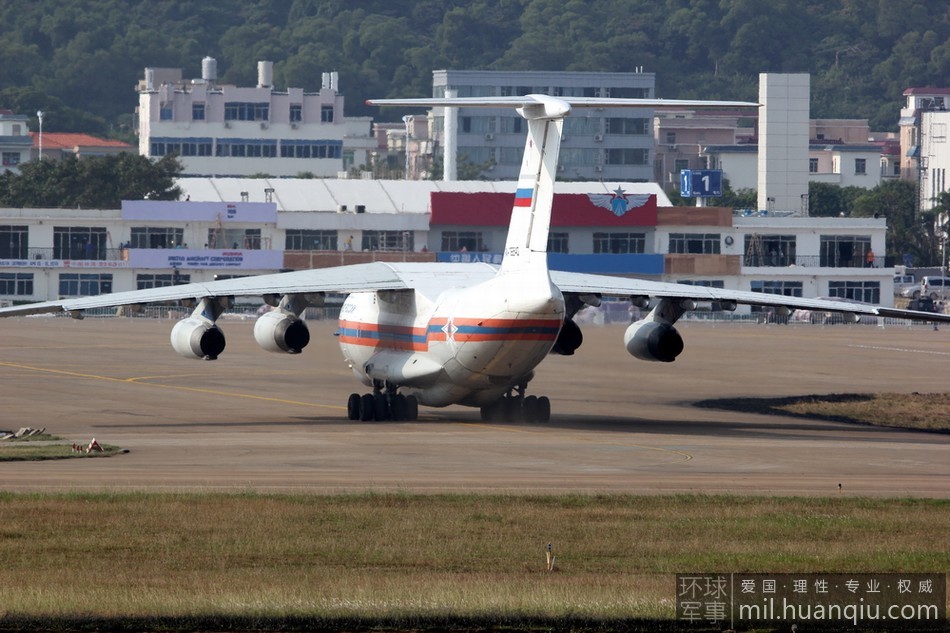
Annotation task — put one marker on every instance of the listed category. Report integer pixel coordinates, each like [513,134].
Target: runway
[253,420]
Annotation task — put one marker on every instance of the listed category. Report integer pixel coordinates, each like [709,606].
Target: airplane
[438,334]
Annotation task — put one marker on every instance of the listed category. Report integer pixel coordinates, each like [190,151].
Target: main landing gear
[382,405]
[517,407]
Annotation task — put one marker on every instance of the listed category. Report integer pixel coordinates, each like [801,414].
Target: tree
[826,200]
[908,233]
[95,182]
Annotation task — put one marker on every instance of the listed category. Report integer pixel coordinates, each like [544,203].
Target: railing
[48,254]
[810,261]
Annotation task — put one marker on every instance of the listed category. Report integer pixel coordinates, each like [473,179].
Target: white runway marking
[901,349]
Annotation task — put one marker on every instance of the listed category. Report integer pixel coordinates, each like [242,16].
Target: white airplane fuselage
[467,345]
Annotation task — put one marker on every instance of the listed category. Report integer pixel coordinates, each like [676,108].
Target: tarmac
[254,420]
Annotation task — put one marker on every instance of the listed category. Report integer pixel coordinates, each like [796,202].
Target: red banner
[570,209]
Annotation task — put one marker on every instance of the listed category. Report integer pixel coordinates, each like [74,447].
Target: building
[236,226]
[56,145]
[603,144]
[925,151]
[223,130]
[15,140]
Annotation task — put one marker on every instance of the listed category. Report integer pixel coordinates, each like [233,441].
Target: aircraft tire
[367,407]
[399,407]
[412,408]
[530,409]
[544,409]
[380,407]
[514,409]
[353,407]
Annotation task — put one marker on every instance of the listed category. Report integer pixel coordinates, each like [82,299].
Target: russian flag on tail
[523,197]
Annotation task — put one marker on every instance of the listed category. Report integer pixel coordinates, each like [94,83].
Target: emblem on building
[618,202]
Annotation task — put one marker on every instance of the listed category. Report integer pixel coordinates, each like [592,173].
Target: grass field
[921,411]
[191,561]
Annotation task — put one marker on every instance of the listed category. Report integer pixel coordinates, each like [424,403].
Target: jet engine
[653,340]
[279,331]
[196,338]
[568,339]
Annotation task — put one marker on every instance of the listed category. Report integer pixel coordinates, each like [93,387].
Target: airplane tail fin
[527,243]
[526,247]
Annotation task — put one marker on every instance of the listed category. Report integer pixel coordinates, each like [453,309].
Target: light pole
[408,121]
[39,115]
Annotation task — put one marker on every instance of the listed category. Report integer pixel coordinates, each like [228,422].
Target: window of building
[84,284]
[16,284]
[844,251]
[237,239]
[628,93]
[11,159]
[326,113]
[296,112]
[620,243]
[769,250]
[695,243]
[164,145]
[470,241]
[165,112]
[860,166]
[680,164]
[310,240]
[512,124]
[628,126]
[146,280]
[866,291]
[79,242]
[387,241]
[558,243]
[13,242]
[628,156]
[784,288]
[198,111]
[156,237]
[671,138]
[812,165]
[246,111]
[311,149]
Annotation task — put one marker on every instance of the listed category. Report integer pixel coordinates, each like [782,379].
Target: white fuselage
[466,345]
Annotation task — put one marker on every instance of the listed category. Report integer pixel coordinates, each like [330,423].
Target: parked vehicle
[933,287]
[902,282]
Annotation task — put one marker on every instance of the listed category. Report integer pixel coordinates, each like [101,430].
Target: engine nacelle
[279,331]
[652,340]
[195,338]
[568,339]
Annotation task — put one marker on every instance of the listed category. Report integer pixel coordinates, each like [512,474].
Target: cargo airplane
[438,334]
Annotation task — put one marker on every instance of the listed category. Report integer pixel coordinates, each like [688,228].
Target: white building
[926,153]
[234,131]
[236,226]
[611,144]
[15,140]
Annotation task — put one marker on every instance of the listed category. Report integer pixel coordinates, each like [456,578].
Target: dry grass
[41,447]
[204,558]
[921,411]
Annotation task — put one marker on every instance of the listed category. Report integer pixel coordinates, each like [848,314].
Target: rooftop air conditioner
[599,138]
[598,168]
[489,137]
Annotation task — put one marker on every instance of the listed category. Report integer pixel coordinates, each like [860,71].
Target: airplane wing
[343,279]
[582,283]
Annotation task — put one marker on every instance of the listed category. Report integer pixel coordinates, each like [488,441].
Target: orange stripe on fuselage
[464,330]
